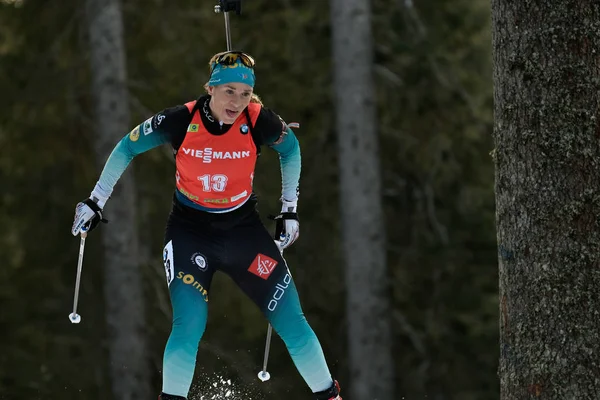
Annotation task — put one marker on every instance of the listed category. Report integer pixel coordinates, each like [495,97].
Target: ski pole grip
[229,5]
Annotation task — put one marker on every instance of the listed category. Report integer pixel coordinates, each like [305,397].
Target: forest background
[433,83]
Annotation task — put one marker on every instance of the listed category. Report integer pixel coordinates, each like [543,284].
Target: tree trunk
[547,132]
[129,369]
[368,302]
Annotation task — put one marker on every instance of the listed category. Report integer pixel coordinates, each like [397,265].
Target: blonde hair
[254,99]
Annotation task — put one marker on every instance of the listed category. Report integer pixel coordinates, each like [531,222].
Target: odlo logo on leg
[279,292]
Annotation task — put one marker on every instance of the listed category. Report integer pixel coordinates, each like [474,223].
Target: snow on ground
[217,387]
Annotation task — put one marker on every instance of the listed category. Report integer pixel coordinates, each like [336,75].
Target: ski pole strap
[279,221]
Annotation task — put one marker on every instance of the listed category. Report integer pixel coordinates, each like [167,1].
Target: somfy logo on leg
[168,261]
[189,279]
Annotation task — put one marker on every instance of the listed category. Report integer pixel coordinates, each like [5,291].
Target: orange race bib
[216,171]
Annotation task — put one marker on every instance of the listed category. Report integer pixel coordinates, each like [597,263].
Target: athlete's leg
[260,271]
[190,261]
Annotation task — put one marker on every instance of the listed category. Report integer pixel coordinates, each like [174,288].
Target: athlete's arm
[275,134]
[165,127]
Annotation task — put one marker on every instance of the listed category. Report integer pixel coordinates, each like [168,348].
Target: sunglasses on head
[232,57]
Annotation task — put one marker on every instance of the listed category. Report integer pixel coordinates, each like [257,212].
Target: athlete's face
[229,100]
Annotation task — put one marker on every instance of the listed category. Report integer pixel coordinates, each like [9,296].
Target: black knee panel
[164,396]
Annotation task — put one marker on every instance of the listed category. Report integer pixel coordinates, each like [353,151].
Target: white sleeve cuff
[99,196]
[289,206]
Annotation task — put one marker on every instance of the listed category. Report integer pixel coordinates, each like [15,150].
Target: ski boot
[333,393]
[164,396]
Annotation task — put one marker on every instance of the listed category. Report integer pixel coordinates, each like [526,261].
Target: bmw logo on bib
[244,129]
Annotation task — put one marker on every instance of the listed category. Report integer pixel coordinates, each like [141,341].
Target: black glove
[287,225]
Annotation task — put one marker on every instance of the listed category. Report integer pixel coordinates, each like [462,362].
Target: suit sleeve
[275,134]
[168,126]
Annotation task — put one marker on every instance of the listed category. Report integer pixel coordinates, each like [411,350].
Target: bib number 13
[216,183]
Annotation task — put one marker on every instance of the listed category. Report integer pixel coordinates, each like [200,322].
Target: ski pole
[225,6]
[264,375]
[227,30]
[74,317]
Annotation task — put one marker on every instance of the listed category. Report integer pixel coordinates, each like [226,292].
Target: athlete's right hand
[87,216]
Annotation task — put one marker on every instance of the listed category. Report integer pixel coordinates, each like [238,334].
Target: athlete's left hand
[287,227]
[88,215]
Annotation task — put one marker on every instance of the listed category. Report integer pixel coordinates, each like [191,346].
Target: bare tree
[129,369]
[547,132]
[368,303]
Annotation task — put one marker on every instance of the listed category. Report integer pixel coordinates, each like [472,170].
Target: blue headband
[238,72]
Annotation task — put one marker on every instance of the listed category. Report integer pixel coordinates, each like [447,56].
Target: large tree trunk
[129,369]
[368,303]
[547,132]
